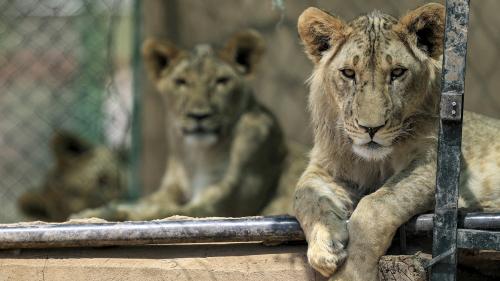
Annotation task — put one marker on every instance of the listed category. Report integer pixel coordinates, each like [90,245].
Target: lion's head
[204,90]
[376,78]
[84,176]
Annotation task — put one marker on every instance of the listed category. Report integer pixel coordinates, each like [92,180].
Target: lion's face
[203,94]
[85,176]
[204,90]
[377,73]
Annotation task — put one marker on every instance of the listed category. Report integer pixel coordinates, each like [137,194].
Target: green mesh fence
[64,64]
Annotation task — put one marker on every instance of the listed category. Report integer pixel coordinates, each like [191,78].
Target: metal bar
[134,186]
[485,221]
[478,239]
[247,229]
[482,221]
[450,137]
[50,235]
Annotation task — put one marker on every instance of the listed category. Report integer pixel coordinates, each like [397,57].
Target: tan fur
[228,156]
[375,137]
[84,176]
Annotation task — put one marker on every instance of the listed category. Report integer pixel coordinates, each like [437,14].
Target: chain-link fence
[60,69]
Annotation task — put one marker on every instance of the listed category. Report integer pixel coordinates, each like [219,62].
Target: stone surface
[217,261]
[167,262]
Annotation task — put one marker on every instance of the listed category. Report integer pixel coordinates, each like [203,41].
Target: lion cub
[374,98]
[228,155]
[84,176]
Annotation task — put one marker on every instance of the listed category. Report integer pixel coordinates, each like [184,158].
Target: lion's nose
[199,116]
[371,130]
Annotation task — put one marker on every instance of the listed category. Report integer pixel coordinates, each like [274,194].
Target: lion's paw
[89,213]
[343,275]
[108,213]
[348,275]
[356,270]
[326,257]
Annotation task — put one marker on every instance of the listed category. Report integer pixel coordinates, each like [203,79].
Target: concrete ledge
[173,262]
[217,261]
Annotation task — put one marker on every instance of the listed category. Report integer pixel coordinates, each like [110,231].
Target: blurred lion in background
[228,155]
[84,176]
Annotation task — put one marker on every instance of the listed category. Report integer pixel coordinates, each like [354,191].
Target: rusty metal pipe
[246,229]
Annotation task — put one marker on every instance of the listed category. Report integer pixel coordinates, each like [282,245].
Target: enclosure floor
[167,262]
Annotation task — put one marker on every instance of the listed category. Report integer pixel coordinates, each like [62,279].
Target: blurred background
[75,65]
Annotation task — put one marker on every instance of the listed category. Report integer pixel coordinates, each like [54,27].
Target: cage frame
[447,236]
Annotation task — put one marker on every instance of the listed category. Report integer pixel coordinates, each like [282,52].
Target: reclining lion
[374,99]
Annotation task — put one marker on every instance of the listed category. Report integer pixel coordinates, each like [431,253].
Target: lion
[374,99]
[228,156]
[84,176]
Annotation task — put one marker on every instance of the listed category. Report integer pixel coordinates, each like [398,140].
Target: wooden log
[403,268]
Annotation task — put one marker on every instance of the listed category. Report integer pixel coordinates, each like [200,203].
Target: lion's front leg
[371,229]
[327,245]
[157,205]
[322,208]
[109,212]
[378,216]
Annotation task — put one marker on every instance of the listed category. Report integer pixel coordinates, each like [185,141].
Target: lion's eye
[397,72]
[348,73]
[222,80]
[180,82]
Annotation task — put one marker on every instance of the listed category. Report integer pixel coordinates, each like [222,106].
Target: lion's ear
[158,56]
[319,31]
[244,49]
[425,25]
[68,147]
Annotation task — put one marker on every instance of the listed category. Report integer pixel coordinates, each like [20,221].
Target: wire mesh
[59,69]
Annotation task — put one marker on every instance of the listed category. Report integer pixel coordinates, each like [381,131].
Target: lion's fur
[375,136]
[84,176]
[227,153]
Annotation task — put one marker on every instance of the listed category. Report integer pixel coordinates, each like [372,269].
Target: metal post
[450,137]
[136,130]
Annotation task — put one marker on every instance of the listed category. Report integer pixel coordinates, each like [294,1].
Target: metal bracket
[451,106]
[440,257]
